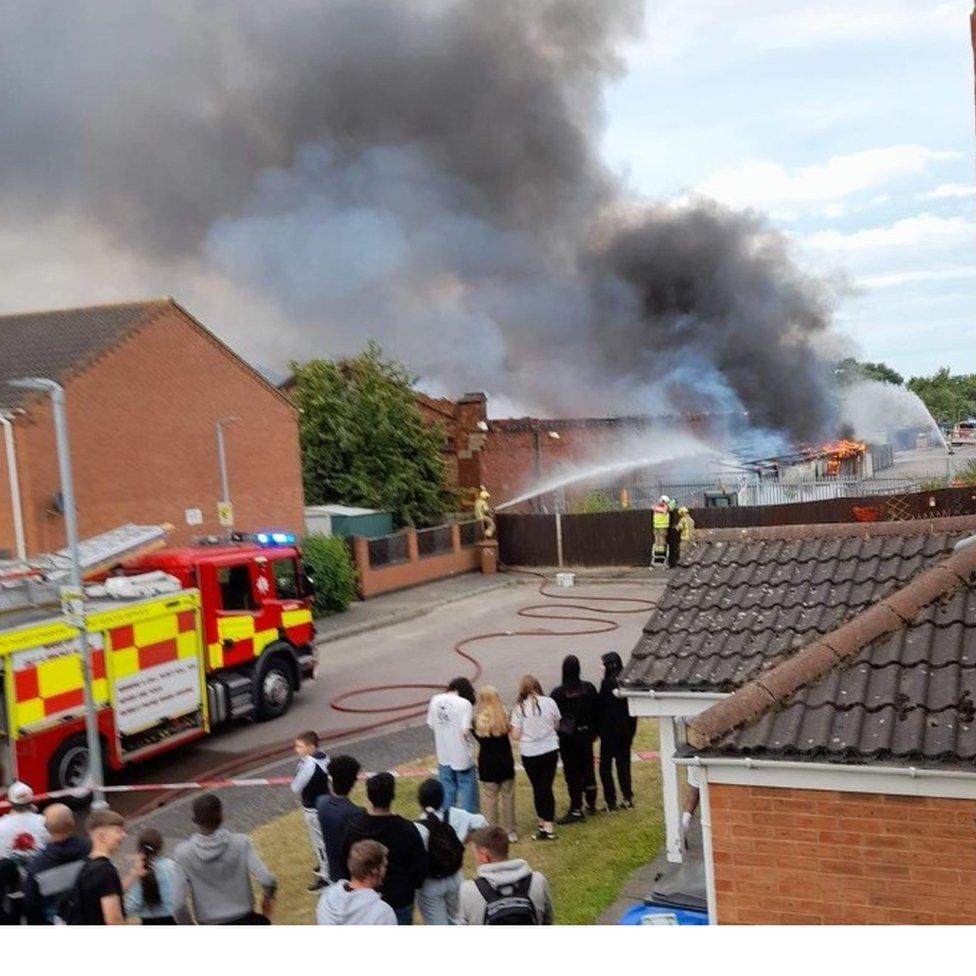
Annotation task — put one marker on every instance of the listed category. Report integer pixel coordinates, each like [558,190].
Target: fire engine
[183,641]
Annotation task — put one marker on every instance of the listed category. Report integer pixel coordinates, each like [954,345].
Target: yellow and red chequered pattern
[52,686]
[148,643]
[247,636]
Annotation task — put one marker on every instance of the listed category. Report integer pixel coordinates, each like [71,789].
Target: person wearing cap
[22,835]
[99,887]
[22,831]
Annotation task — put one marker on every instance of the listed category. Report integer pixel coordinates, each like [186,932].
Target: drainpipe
[671,794]
[14,482]
[707,851]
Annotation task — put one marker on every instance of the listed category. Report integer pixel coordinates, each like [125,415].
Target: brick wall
[787,856]
[141,423]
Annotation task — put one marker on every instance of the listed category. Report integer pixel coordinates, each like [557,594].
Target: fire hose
[416,708]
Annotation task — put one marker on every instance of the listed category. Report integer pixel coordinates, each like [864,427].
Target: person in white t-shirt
[535,720]
[22,835]
[449,715]
[22,831]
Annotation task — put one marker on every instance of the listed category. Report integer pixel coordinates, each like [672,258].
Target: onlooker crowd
[374,867]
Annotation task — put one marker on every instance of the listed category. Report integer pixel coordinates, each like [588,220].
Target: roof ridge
[835,530]
[839,646]
[145,303]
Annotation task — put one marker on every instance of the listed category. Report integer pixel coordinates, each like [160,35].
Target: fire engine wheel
[274,690]
[68,768]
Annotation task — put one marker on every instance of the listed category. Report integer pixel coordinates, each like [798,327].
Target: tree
[364,441]
[851,368]
[949,398]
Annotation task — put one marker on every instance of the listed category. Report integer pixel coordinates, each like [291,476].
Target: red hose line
[414,709]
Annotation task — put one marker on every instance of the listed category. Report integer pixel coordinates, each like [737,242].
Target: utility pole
[78,619]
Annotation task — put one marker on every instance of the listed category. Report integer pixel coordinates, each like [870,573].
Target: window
[286,579]
[235,587]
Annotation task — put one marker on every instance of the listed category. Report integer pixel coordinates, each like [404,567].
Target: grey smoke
[422,171]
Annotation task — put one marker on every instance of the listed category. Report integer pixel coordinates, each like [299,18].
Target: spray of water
[872,409]
[665,452]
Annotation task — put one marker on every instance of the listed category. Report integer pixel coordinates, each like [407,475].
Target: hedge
[328,561]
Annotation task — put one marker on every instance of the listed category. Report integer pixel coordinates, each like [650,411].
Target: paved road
[417,650]
[930,461]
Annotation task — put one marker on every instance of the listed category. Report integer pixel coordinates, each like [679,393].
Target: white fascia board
[892,780]
[679,704]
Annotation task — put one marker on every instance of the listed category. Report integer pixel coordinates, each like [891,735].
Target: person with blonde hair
[496,767]
[535,719]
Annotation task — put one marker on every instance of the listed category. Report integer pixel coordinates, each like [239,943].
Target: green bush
[328,561]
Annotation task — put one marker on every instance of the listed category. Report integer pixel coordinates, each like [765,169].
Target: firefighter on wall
[483,513]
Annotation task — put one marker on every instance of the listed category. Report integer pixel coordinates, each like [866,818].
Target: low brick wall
[414,569]
[807,857]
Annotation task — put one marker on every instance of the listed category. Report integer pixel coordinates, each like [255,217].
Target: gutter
[680,695]
[14,483]
[747,762]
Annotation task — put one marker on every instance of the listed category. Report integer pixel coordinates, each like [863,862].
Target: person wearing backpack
[578,704]
[444,833]
[506,890]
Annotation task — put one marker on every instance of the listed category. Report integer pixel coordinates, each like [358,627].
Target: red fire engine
[183,641]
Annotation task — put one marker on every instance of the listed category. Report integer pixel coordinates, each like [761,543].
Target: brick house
[743,600]
[145,384]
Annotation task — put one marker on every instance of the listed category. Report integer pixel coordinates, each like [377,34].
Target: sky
[851,124]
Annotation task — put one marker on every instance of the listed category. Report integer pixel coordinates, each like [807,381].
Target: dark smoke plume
[421,171]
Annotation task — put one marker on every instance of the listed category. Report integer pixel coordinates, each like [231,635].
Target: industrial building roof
[897,683]
[55,344]
[742,601]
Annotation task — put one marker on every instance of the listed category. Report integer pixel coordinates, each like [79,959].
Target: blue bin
[663,915]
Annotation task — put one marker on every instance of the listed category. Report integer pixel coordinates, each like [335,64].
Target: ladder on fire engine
[36,583]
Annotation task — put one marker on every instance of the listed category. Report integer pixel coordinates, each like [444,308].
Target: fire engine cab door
[243,627]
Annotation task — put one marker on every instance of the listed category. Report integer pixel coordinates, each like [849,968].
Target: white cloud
[769,185]
[897,279]
[950,191]
[906,254]
[676,27]
[912,235]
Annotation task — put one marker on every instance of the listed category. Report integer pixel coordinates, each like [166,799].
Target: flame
[842,449]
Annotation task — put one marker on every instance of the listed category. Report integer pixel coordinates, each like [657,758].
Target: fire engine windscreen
[426,172]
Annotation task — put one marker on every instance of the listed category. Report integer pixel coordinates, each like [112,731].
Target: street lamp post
[222,460]
[42,385]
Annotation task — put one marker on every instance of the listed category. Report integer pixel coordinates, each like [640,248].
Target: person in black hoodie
[52,873]
[617,728]
[578,702]
[407,865]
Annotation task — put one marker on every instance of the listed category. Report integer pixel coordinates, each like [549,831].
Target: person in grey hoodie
[502,877]
[218,866]
[357,901]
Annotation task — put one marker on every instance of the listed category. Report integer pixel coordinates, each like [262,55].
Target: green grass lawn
[586,865]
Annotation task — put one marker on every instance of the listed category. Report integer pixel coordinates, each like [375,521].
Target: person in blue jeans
[449,715]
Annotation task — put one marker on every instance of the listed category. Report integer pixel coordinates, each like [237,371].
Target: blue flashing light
[274,538]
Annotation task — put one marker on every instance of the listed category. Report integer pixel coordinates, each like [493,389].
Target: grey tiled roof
[910,696]
[57,343]
[733,609]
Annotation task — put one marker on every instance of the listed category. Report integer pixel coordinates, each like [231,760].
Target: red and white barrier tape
[403,772]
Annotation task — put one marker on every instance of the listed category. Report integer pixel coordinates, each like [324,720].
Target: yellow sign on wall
[225,514]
